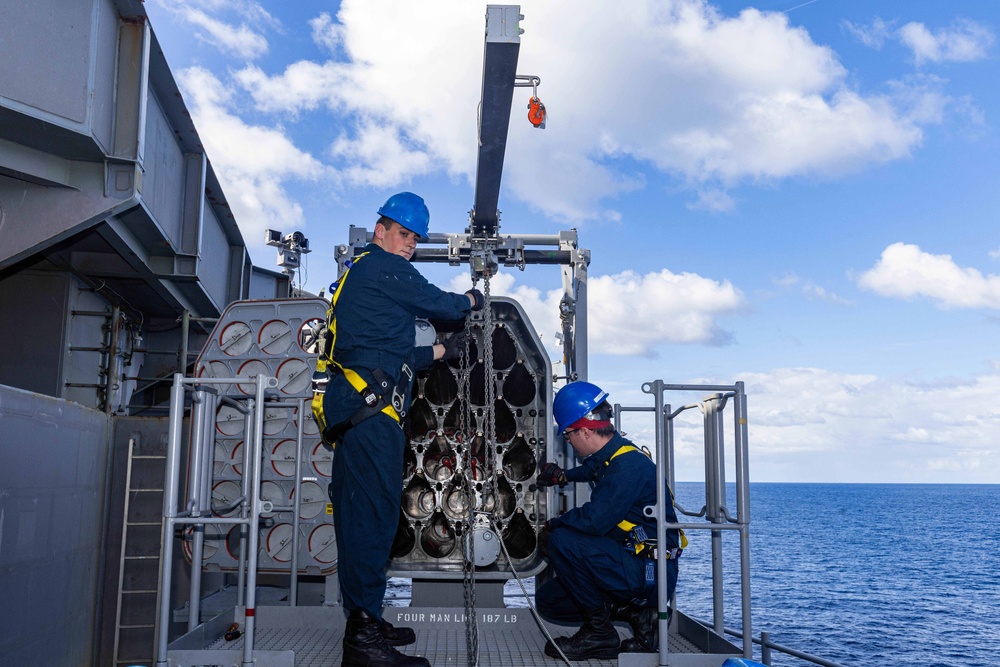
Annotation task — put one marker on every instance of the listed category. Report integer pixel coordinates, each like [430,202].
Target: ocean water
[862,574]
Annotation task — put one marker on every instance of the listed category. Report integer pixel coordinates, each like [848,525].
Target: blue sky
[799,195]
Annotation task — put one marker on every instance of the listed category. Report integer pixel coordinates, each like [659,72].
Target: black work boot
[596,639]
[644,622]
[364,645]
[394,636]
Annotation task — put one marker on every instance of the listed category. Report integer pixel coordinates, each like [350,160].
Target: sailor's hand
[550,474]
[476,298]
[454,346]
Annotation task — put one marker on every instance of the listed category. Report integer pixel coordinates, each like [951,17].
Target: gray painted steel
[104,158]
[503,41]
[108,204]
[53,462]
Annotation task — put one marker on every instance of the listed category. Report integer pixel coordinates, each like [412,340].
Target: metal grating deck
[506,636]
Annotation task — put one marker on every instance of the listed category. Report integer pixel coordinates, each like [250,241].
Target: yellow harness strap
[624,449]
[627,526]
[331,321]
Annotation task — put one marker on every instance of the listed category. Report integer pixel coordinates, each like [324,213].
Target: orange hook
[536,113]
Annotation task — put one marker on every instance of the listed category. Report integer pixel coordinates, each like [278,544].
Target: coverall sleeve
[412,291]
[423,357]
[582,473]
[610,501]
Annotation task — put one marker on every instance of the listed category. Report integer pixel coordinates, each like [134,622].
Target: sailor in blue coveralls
[379,298]
[601,553]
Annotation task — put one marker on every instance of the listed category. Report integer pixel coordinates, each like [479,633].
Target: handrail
[766,645]
[718,517]
[204,401]
[198,509]
[717,514]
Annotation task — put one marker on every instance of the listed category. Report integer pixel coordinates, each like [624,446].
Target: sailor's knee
[557,543]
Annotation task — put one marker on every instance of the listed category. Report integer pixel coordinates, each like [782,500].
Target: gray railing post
[743,510]
[297,506]
[170,486]
[662,594]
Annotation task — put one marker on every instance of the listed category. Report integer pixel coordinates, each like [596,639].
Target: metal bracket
[486,253]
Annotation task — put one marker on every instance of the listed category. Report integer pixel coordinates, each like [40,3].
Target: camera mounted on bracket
[290,247]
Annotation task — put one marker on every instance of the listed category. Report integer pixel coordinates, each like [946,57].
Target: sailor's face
[399,240]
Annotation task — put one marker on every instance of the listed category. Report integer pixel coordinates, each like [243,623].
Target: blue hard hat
[575,401]
[409,210]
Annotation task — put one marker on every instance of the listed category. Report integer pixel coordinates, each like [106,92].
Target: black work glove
[478,297]
[550,474]
[454,346]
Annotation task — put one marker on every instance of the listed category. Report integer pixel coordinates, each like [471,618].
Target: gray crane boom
[503,42]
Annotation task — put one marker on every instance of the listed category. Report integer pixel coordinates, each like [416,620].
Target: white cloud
[378,156]
[810,290]
[713,199]
[879,429]
[326,33]
[240,40]
[237,38]
[820,425]
[964,41]
[874,35]
[818,293]
[905,271]
[632,314]
[304,86]
[253,163]
[701,99]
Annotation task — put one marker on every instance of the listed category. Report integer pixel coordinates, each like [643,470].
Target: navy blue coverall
[375,315]
[587,549]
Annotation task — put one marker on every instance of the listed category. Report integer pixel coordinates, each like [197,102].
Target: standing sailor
[603,553]
[372,359]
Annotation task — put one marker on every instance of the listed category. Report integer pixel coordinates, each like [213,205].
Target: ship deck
[313,636]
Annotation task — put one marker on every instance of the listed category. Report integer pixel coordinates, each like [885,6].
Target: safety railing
[718,518]
[197,507]
[766,646]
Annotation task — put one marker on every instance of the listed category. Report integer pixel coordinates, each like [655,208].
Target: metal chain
[489,416]
[486,504]
[466,431]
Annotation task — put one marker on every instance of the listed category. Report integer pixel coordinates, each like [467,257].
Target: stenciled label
[435,617]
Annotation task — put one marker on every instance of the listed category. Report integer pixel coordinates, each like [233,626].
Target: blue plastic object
[742,662]
[574,401]
[408,210]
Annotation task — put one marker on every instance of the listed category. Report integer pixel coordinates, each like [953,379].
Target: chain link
[489,414]
[484,432]
[482,511]
[466,431]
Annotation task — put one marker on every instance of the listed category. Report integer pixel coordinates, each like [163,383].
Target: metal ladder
[138,572]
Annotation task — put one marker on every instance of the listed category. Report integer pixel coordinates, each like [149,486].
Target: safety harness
[375,397]
[638,542]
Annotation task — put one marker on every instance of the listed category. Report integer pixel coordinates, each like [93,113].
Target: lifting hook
[536,113]
[536,110]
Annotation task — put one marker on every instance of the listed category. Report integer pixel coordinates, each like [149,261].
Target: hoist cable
[524,591]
